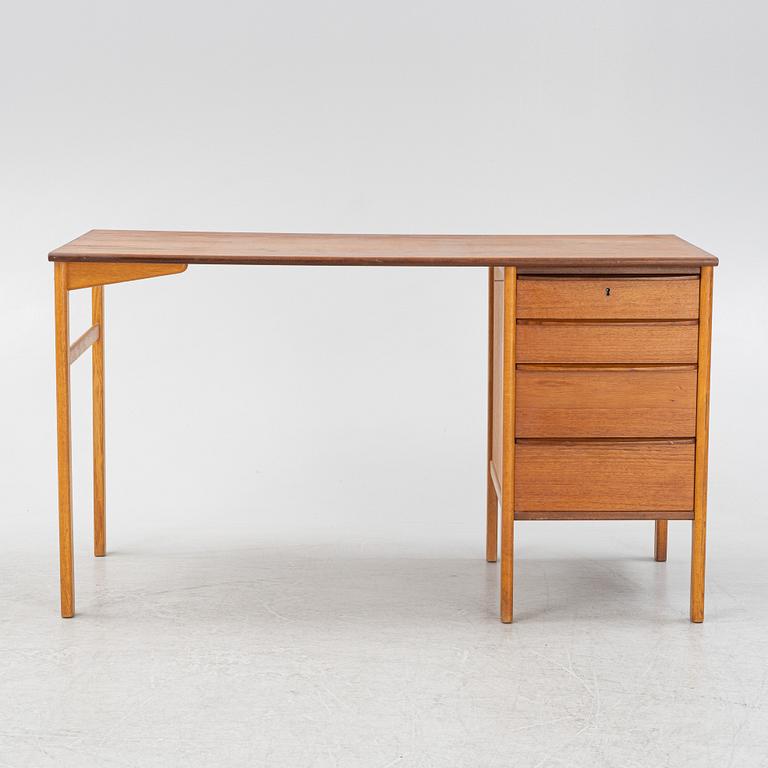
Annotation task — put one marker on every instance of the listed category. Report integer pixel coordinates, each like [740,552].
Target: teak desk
[598,367]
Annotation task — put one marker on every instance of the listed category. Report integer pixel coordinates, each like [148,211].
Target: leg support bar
[90,337]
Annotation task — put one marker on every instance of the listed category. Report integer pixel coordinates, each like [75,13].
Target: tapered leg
[63,440]
[660,546]
[492,502]
[699,527]
[508,445]
[99,479]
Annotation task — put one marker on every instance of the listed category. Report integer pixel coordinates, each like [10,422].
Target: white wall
[265,402]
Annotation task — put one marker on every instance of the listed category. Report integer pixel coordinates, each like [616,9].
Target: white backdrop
[300,403]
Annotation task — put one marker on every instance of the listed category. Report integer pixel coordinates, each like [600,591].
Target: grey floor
[198,652]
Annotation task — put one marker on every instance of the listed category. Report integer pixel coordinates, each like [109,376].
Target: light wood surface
[76,348]
[99,467]
[498,376]
[496,481]
[660,541]
[605,402]
[604,476]
[610,298]
[90,275]
[568,342]
[63,440]
[699,532]
[508,447]
[492,501]
[380,250]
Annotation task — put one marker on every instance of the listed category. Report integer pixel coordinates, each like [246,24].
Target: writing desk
[598,367]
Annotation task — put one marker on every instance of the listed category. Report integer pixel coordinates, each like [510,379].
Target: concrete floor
[207,653]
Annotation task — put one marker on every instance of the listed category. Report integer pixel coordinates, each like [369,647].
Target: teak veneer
[638,402]
[615,251]
[598,368]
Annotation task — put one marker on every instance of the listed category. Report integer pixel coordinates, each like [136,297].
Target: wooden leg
[68,277]
[492,522]
[99,478]
[698,558]
[64,441]
[508,445]
[492,502]
[699,527]
[660,546]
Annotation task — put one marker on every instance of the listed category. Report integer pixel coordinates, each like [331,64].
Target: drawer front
[613,298]
[660,342]
[604,477]
[556,402]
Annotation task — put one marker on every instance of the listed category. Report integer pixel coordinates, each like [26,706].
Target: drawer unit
[612,298]
[542,341]
[567,402]
[598,399]
[604,480]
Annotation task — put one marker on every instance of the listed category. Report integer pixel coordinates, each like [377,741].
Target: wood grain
[99,467]
[611,298]
[508,448]
[90,275]
[604,477]
[616,402]
[64,440]
[76,348]
[699,532]
[495,480]
[649,342]
[660,541]
[498,376]
[101,245]
[492,501]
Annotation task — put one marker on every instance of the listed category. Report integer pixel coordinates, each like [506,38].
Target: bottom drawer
[604,480]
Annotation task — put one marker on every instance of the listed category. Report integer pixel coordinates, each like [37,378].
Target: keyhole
[607,291]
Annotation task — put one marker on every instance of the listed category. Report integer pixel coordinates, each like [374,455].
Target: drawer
[612,298]
[608,479]
[617,402]
[655,342]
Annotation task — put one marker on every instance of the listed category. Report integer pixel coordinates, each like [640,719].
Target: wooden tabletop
[107,245]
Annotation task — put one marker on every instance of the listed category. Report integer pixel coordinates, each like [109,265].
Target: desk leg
[63,440]
[69,276]
[99,474]
[699,532]
[508,445]
[660,545]
[492,501]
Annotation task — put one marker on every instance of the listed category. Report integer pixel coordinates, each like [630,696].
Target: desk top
[547,251]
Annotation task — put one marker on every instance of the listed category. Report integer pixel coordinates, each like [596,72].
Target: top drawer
[612,298]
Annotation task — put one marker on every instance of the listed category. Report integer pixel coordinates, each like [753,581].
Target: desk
[598,368]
